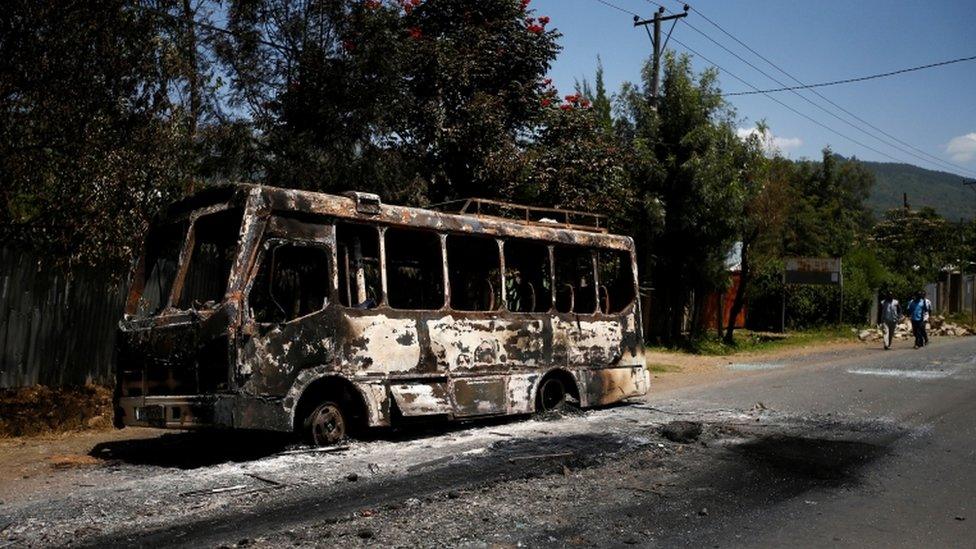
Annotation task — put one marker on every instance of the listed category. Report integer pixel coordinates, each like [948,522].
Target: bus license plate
[150,413]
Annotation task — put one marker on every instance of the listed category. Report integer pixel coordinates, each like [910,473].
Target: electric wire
[772,98]
[849,80]
[929,158]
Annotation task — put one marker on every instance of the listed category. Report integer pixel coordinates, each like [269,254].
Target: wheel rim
[553,393]
[328,425]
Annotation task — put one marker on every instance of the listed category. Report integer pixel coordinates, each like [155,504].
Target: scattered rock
[960,518]
[412,502]
[365,533]
[453,494]
[352,477]
[682,431]
[703,512]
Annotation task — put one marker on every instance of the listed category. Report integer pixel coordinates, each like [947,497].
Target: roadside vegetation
[40,410]
[748,341]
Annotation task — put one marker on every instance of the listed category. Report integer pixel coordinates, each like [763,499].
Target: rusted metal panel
[55,328]
[422,398]
[480,396]
[344,207]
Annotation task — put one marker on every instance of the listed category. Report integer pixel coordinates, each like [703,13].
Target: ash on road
[854,448]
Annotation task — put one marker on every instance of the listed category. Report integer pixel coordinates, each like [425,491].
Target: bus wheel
[326,425]
[552,394]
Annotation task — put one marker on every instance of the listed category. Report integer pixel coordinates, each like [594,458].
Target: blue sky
[934,110]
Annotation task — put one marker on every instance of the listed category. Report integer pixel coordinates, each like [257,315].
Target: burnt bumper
[199,411]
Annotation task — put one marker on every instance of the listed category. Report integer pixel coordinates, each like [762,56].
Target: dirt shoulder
[29,464]
[671,370]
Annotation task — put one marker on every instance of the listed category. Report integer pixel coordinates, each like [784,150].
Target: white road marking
[908,374]
[751,366]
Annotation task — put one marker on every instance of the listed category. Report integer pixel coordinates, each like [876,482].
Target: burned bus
[256,307]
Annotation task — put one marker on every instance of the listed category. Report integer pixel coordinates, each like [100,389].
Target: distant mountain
[942,191]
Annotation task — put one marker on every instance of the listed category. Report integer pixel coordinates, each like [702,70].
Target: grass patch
[38,410]
[747,341]
[658,368]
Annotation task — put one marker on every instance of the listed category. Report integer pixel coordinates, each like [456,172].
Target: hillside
[940,190]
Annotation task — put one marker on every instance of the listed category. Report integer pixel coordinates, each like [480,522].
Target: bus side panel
[609,385]
[588,343]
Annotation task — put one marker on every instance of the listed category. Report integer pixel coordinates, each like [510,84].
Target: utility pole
[656,42]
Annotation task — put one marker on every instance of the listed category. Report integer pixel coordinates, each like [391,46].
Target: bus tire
[551,394]
[326,425]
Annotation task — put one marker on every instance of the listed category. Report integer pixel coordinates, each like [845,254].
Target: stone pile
[936,326]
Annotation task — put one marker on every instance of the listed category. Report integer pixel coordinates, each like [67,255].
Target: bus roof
[367,208]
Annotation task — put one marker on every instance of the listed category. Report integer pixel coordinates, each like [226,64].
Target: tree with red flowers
[415,99]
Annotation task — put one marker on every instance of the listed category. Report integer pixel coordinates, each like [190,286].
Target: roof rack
[533,215]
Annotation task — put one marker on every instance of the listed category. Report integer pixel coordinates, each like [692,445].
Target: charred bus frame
[264,308]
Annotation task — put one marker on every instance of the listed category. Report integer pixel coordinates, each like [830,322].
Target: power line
[931,159]
[733,75]
[811,119]
[849,80]
[618,8]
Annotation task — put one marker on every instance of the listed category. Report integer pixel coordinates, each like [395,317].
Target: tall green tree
[765,182]
[828,207]
[918,244]
[687,160]
[418,99]
[91,140]
[597,96]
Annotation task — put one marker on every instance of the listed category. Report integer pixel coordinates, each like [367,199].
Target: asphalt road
[858,447]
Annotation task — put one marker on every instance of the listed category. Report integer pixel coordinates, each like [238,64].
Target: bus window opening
[292,281]
[358,252]
[475,273]
[616,280]
[528,280]
[414,269]
[215,239]
[575,291]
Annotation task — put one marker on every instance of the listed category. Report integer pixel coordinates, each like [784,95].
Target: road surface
[852,448]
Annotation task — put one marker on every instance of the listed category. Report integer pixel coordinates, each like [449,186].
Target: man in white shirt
[890,315]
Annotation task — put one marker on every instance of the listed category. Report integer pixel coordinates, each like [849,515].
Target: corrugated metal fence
[55,329]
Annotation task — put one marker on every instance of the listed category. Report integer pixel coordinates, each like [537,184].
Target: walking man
[926,309]
[890,315]
[919,309]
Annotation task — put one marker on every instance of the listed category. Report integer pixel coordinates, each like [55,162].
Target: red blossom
[524,4]
[372,4]
[585,104]
[415,3]
[348,45]
[547,81]
[565,106]
[408,8]
[546,101]
[544,20]
[415,33]
[535,29]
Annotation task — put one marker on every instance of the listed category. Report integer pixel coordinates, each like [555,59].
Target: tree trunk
[740,295]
